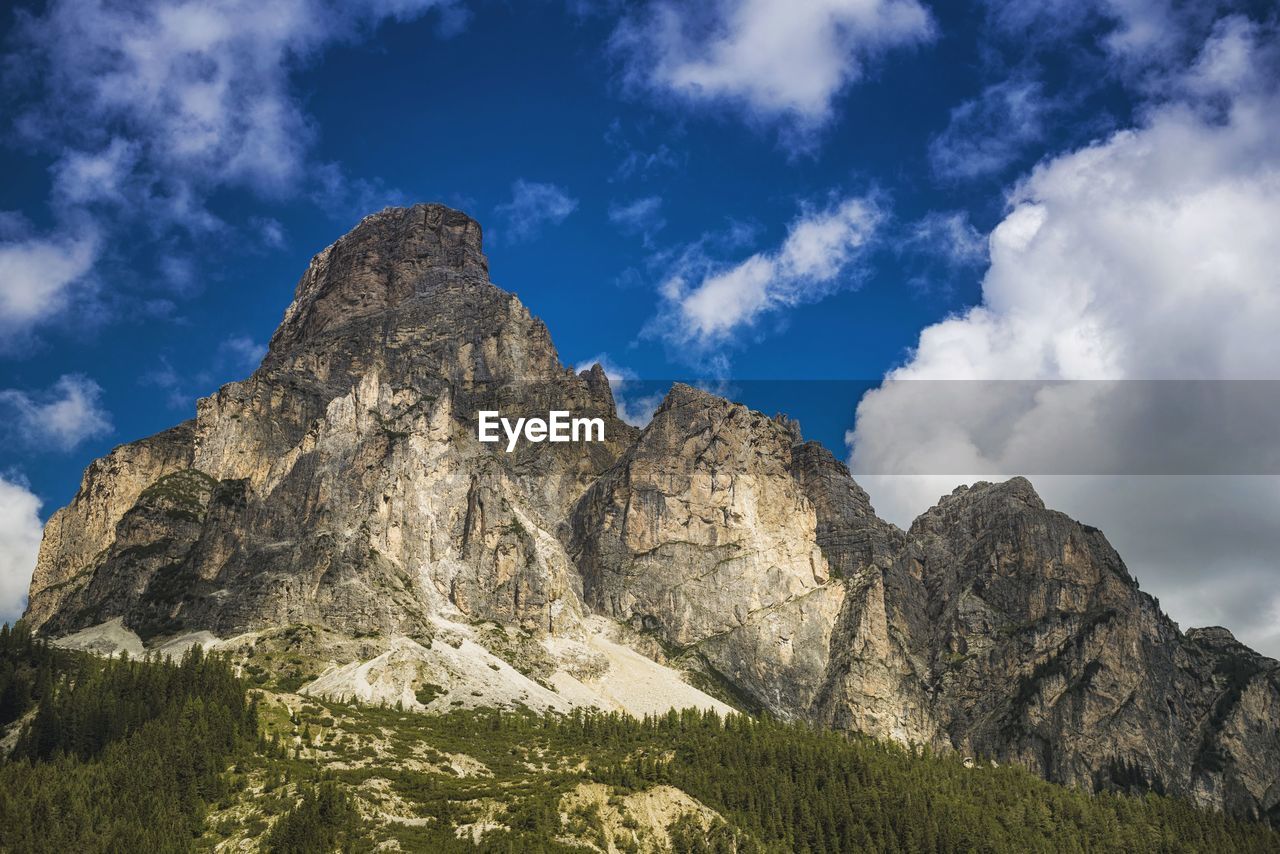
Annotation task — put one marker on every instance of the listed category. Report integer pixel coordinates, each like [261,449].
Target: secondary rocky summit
[341,488]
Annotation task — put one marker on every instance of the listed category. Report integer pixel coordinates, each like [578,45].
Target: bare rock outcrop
[702,535]
[76,536]
[1009,631]
[346,484]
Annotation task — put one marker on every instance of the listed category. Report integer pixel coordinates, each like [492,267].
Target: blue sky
[739,190]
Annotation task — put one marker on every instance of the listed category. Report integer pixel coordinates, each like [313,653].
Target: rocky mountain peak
[1015,490]
[389,257]
[1222,641]
[682,394]
[597,381]
[791,425]
[979,504]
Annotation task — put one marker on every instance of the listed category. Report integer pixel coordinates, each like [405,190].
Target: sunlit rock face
[343,485]
[702,535]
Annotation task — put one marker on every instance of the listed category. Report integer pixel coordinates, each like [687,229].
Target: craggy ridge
[341,486]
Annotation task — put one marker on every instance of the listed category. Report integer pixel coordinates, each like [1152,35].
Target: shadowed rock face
[389,258]
[76,536]
[342,484]
[1006,630]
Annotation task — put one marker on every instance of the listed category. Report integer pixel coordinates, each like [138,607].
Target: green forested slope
[119,755]
[145,756]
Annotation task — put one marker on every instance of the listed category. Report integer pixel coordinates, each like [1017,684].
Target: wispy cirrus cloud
[533,207]
[59,418]
[706,305]
[641,217]
[949,235]
[1138,33]
[150,106]
[939,251]
[235,358]
[986,134]
[641,161]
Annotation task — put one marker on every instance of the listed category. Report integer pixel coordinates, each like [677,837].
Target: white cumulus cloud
[197,90]
[20,531]
[1144,258]
[38,276]
[58,419]
[786,61]
[706,305]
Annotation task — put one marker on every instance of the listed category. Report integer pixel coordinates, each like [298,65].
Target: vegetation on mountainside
[325,819]
[118,755]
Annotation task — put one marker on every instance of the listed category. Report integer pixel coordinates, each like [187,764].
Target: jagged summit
[1015,490]
[1217,635]
[389,257]
[598,382]
[684,394]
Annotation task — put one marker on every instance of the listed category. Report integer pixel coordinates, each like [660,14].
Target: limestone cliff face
[701,535]
[876,677]
[76,536]
[342,485]
[1006,630]
[345,482]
